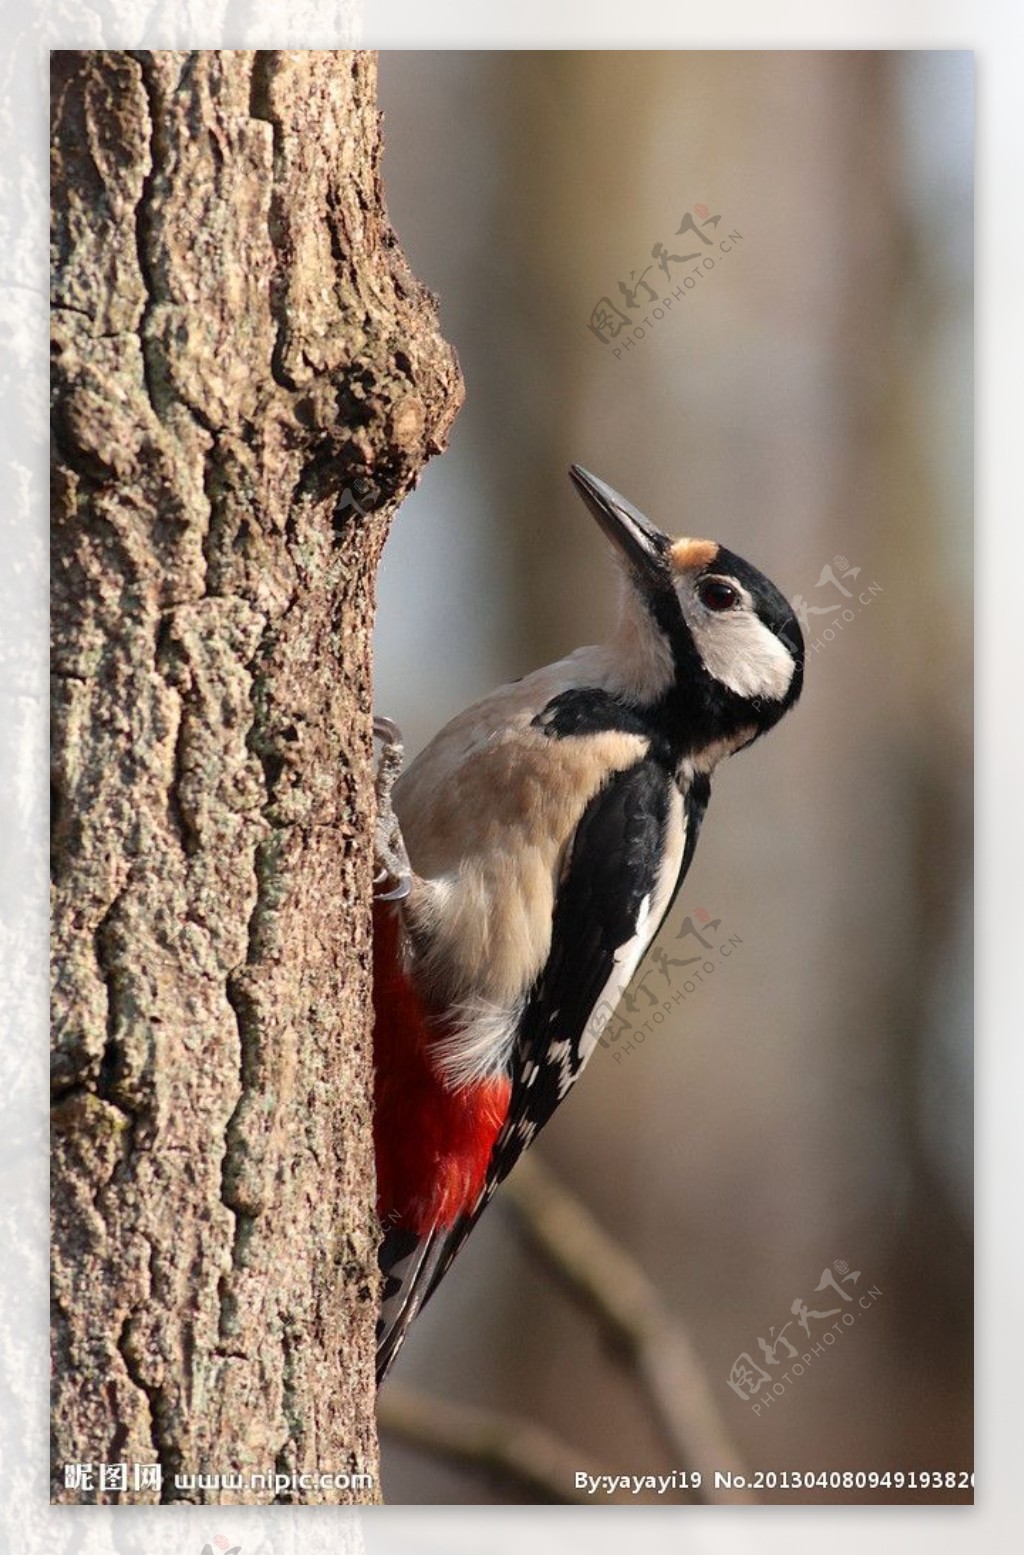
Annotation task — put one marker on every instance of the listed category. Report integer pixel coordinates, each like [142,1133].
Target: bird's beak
[643,546]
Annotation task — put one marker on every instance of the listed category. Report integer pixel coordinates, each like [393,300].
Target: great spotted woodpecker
[531,853]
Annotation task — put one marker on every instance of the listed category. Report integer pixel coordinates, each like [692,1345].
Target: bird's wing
[621,872]
[618,878]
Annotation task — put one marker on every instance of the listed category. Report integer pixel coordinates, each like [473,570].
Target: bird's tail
[432,1144]
[408,1264]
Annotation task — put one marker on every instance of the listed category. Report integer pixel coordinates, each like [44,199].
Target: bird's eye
[717,595]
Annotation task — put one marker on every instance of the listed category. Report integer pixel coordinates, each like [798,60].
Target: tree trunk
[247,381]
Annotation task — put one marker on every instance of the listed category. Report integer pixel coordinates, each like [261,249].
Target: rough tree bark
[247,381]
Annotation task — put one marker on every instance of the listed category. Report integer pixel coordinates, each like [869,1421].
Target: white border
[996,32]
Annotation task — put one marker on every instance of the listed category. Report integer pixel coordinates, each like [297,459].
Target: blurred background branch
[511,1452]
[633,1316]
[634,1320]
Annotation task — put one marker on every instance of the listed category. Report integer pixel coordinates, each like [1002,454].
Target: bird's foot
[393,868]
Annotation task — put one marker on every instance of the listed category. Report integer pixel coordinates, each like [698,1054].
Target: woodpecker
[529,855]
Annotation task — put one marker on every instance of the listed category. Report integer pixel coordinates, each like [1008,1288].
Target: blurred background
[807,400]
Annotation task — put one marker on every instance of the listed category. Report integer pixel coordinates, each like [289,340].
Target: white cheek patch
[740,651]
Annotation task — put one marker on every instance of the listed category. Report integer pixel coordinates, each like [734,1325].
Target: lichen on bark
[247,380]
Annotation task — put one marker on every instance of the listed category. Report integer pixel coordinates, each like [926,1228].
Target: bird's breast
[486,835]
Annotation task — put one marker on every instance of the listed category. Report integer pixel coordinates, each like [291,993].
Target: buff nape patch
[692,555]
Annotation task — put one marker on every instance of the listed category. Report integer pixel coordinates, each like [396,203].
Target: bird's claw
[392,859]
[400,891]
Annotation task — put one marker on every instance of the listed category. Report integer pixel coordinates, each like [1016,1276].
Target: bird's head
[703,636]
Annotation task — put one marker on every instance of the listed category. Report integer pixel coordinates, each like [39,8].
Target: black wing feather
[613,862]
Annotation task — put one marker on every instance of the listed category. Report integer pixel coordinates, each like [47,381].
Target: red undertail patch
[432,1145]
